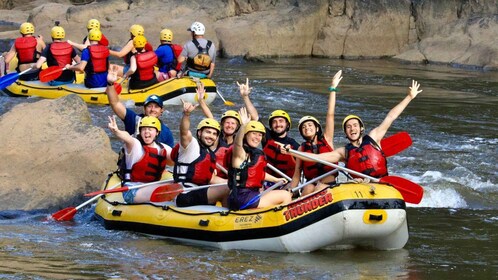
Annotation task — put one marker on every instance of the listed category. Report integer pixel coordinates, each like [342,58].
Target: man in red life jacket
[92,24]
[141,66]
[27,48]
[59,53]
[195,162]
[364,153]
[94,61]
[167,55]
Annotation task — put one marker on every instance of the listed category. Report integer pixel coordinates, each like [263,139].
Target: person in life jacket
[317,141]
[247,172]
[167,55]
[144,156]
[94,61]
[27,48]
[153,106]
[195,162]
[364,153]
[128,50]
[91,24]
[199,53]
[59,53]
[142,64]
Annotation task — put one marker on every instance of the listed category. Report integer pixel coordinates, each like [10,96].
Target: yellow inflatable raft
[170,91]
[349,214]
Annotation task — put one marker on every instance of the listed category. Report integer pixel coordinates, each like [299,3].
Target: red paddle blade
[396,143]
[166,193]
[65,214]
[50,73]
[118,87]
[411,192]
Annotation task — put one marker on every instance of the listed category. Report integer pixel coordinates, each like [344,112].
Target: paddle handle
[276,170]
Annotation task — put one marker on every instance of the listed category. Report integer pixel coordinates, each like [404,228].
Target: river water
[453,231]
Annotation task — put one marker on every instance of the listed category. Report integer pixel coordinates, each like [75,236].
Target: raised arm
[201,92]
[329,121]
[122,135]
[378,133]
[238,153]
[118,107]
[185,134]
[245,90]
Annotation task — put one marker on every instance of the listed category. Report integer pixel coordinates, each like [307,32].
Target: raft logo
[307,205]
[248,221]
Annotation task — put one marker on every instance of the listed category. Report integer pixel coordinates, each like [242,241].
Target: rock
[51,154]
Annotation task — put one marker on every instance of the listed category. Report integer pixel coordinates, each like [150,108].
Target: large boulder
[51,154]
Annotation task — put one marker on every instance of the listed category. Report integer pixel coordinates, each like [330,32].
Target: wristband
[331,88]
[110,84]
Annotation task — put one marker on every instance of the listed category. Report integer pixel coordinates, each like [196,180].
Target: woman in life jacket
[247,172]
[142,64]
[364,153]
[59,53]
[167,55]
[128,50]
[317,141]
[144,156]
[27,49]
[94,61]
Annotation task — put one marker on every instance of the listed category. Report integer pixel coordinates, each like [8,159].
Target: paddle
[410,191]
[68,213]
[279,172]
[119,86]
[51,73]
[395,143]
[314,180]
[169,192]
[126,188]
[228,103]
[8,79]
[254,199]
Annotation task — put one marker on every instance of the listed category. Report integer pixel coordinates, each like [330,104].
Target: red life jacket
[177,50]
[284,163]
[253,171]
[221,153]
[150,167]
[98,59]
[26,49]
[200,171]
[61,53]
[313,169]
[145,65]
[368,158]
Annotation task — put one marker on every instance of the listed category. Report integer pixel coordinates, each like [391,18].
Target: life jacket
[177,50]
[221,153]
[368,158]
[26,49]
[201,61]
[284,163]
[313,169]
[252,172]
[99,58]
[148,169]
[145,66]
[61,54]
[200,171]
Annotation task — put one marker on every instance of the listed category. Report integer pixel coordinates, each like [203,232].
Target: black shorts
[242,196]
[198,197]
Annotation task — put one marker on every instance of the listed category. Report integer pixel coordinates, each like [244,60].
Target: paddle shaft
[279,172]
[314,180]
[127,188]
[276,185]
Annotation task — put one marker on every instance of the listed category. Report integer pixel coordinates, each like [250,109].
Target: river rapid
[453,231]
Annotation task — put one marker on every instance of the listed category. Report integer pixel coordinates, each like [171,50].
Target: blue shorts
[242,196]
[129,196]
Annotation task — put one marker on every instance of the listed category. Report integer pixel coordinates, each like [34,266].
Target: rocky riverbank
[455,32]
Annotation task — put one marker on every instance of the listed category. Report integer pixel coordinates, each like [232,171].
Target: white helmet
[198,28]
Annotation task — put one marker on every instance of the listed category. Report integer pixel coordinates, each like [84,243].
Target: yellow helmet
[27,28]
[57,32]
[149,121]
[231,114]
[255,126]
[166,35]
[94,35]
[208,122]
[310,118]
[346,119]
[282,114]
[139,42]
[93,24]
[137,30]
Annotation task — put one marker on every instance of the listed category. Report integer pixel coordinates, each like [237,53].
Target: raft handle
[116,213]
[204,223]
[373,217]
